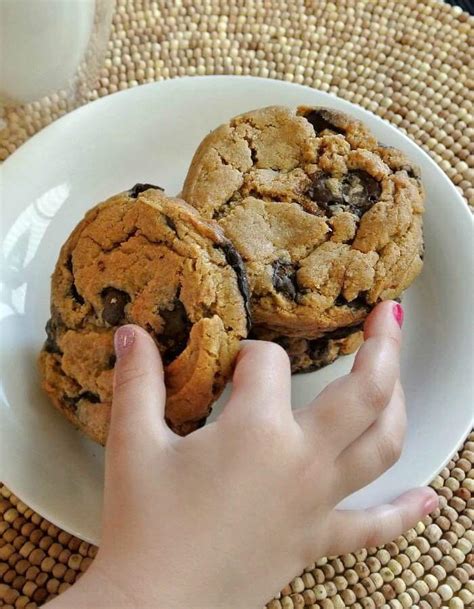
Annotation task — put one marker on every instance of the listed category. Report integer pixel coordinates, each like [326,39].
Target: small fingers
[139,390]
[261,383]
[376,450]
[350,530]
[349,405]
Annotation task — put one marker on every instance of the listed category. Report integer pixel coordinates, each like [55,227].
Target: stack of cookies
[296,223]
[327,220]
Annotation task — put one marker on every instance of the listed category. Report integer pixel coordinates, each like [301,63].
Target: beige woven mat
[409,62]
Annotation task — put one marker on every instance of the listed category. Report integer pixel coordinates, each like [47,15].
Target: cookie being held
[144,258]
[308,355]
[327,220]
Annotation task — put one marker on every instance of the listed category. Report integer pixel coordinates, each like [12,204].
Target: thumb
[139,397]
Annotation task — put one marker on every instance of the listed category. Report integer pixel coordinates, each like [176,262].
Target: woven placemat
[409,62]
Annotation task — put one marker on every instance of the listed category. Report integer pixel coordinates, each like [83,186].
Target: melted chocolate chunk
[90,397]
[360,191]
[413,172]
[50,345]
[234,259]
[284,279]
[175,333]
[356,192]
[115,302]
[321,120]
[321,193]
[72,401]
[318,347]
[139,188]
[112,361]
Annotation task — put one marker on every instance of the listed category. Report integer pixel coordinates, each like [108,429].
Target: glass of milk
[51,45]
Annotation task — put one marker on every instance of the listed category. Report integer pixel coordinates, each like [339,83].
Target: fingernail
[430,504]
[123,339]
[398,313]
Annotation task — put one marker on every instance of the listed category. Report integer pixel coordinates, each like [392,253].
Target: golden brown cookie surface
[144,258]
[327,220]
[308,355]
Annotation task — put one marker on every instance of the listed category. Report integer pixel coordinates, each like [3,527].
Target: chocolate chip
[321,120]
[112,361]
[68,264]
[139,188]
[356,192]
[413,172]
[234,259]
[317,348]
[170,223]
[115,302]
[175,333]
[360,191]
[321,193]
[50,345]
[284,279]
[90,397]
[72,401]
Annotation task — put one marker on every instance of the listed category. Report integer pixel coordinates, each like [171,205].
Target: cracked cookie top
[144,258]
[328,221]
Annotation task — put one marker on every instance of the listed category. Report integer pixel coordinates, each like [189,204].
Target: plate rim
[24,149]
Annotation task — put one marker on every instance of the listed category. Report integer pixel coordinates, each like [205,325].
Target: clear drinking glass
[51,45]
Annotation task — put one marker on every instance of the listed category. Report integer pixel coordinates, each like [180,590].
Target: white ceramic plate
[149,134]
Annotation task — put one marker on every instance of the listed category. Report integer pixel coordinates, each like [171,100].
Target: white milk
[42,43]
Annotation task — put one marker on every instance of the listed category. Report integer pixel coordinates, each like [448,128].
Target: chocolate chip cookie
[308,355]
[328,220]
[144,258]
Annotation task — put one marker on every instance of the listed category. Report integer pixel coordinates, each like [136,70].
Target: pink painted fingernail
[398,313]
[123,339]
[430,504]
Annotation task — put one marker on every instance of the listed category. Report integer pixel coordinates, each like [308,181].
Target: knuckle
[129,375]
[389,450]
[375,393]
[392,342]
[384,526]
[374,532]
[268,428]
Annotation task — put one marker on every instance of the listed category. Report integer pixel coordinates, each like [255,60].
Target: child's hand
[238,508]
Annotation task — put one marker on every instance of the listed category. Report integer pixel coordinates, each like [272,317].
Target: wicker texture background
[407,61]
